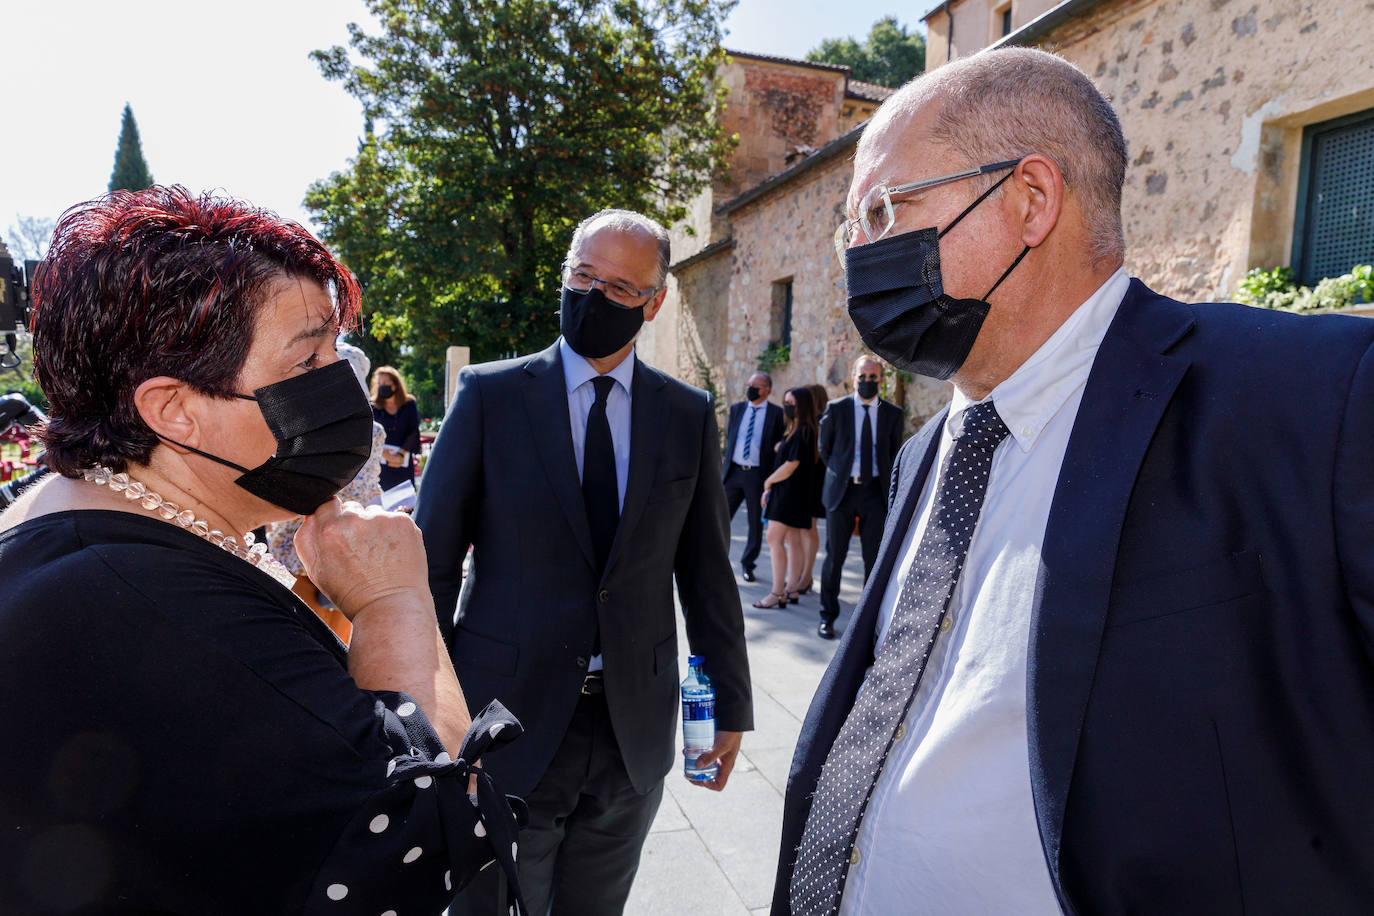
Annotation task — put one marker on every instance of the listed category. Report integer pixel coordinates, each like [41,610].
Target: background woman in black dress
[788,497]
[196,740]
[400,417]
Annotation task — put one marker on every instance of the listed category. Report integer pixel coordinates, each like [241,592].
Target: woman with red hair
[192,739]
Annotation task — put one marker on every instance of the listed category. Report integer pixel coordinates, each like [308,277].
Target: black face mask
[385,391]
[594,326]
[789,410]
[751,394]
[898,304]
[868,389]
[323,426]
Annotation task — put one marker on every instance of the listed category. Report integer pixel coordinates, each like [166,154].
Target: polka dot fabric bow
[421,838]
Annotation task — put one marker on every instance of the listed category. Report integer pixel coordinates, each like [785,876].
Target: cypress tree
[130,171]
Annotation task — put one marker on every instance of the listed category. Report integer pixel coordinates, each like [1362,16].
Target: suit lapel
[648,418]
[1132,380]
[546,403]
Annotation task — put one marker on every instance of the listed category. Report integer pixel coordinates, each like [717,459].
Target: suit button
[603,596]
[581,662]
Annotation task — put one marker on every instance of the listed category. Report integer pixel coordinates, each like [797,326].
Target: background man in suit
[860,435]
[1139,539]
[585,481]
[751,441]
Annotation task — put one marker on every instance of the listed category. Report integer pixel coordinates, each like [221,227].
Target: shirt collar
[577,371]
[1030,397]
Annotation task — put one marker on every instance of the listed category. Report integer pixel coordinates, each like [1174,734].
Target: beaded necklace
[251,551]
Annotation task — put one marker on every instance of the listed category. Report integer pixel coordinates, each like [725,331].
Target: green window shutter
[1335,219]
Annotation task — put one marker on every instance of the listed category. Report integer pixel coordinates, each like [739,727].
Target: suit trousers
[580,852]
[746,484]
[869,503]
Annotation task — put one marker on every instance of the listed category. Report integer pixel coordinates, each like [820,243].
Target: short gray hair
[1007,102]
[626,221]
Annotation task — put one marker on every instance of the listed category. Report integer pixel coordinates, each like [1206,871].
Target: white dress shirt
[860,407]
[578,375]
[952,821]
[750,458]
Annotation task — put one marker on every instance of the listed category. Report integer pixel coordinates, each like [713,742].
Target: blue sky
[225,96]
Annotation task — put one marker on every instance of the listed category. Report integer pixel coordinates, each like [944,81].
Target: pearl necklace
[254,554]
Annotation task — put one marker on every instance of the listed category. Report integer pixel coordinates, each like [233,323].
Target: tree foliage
[494,126]
[890,56]
[130,171]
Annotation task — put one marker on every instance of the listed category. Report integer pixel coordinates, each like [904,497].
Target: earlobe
[653,305]
[1043,185]
[163,404]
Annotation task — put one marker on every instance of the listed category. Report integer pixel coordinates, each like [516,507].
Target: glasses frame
[639,294]
[843,233]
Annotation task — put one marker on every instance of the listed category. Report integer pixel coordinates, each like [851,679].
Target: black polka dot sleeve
[421,837]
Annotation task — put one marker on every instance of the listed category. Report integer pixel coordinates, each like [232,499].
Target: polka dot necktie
[861,747]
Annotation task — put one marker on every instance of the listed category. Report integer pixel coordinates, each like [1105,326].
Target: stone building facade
[754,266]
[1220,102]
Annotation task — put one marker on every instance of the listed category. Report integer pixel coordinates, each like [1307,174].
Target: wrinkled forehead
[896,147]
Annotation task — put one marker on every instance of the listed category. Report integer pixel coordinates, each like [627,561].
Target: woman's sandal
[778,601]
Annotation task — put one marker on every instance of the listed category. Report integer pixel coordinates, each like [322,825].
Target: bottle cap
[696,660]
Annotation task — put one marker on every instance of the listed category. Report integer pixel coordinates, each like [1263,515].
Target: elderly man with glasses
[1115,653]
[586,482]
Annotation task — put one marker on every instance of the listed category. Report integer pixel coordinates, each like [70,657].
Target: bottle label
[698,709]
[699,733]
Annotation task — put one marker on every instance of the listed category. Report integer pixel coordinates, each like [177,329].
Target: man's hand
[723,753]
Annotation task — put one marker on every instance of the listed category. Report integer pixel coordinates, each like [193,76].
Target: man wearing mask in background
[751,442]
[585,481]
[1115,655]
[860,436]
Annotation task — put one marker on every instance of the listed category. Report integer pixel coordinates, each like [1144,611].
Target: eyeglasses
[875,217]
[580,281]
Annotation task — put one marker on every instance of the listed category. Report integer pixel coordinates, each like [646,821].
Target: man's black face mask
[594,326]
[898,303]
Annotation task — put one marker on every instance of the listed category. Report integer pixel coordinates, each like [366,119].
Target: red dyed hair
[156,282]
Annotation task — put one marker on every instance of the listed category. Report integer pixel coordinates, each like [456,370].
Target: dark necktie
[866,449]
[600,492]
[749,433]
[861,747]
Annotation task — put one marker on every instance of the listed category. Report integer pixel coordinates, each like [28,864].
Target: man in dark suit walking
[751,441]
[585,481]
[860,435]
[1115,655]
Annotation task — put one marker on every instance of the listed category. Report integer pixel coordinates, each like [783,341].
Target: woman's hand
[764,500]
[361,557]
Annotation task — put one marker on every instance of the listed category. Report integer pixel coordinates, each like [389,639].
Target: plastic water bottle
[698,720]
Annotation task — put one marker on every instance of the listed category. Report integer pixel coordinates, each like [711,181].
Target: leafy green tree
[494,126]
[889,57]
[130,171]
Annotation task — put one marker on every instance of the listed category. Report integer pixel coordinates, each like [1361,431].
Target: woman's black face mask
[323,425]
[898,303]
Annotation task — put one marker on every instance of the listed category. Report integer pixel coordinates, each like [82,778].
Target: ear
[166,405]
[1041,200]
[653,305]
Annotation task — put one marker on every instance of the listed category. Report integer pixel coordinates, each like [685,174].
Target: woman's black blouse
[402,430]
[791,500]
[183,736]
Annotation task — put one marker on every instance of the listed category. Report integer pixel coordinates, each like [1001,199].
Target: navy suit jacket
[769,436]
[503,479]
[1200,692]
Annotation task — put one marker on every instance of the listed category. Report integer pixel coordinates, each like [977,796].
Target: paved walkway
[715,853]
